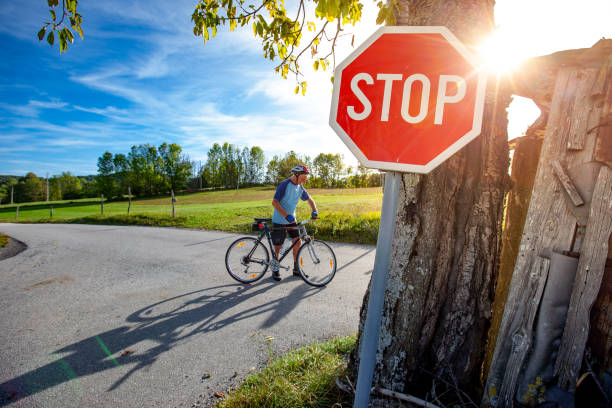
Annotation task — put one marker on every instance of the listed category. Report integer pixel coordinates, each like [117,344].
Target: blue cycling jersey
[288,194]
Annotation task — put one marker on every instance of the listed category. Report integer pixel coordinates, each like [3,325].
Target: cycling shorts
[280,231]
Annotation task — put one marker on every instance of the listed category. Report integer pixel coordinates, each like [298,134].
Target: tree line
[230,166]
[145,170]
[148,171]
[327,170]
[31,188]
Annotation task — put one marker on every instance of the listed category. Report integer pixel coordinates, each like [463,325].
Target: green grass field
[346,215]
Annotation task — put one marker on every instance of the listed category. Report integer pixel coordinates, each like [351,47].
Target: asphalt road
[108,316]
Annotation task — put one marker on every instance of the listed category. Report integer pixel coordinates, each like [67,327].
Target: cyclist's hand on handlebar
[290,218]
[314,215]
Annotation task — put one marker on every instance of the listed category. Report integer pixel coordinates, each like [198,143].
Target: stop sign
[408,98]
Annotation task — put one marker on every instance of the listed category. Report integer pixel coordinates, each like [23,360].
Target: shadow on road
[166,323]
[210,240]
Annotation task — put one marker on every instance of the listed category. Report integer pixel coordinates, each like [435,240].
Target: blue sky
[141,76]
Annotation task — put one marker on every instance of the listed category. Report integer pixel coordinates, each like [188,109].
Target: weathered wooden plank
[522,337]
[600,84]
[600,336]
[567,184]
[602,125]
[588,281]
[549,224]
[582,107]
[551,221]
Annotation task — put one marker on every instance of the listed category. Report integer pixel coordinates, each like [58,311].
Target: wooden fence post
[17,212]
[129,199]
[173,201]
[51,211]
[102,205]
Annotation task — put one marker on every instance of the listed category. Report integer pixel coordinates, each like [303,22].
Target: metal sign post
[371,331]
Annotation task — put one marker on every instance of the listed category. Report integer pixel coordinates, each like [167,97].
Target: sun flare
[501,52]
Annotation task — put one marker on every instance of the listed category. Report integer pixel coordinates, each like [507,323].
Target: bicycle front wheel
[317,263]
[247,260]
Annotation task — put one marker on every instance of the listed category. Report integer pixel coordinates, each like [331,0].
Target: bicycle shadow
[167,323]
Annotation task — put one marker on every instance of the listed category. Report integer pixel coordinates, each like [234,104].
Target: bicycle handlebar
[269,220]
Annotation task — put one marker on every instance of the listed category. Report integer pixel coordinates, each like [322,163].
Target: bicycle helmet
[300,168]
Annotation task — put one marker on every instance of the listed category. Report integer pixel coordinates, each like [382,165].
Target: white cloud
[33,108]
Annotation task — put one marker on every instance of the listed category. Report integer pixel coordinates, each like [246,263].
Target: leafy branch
[280,34]
[60,28]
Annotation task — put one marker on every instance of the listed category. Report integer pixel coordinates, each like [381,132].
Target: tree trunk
[445,253]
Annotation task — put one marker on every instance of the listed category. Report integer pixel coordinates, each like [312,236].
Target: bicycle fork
[313,253]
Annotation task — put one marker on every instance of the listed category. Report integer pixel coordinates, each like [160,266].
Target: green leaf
[51,38]
[69,35]
[63,42]
[53,15]
[41,33]
[382,15]
[70,6]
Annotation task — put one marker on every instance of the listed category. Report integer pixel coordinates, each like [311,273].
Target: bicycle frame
[303,235]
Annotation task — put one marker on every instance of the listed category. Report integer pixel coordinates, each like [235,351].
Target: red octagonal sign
[408,98]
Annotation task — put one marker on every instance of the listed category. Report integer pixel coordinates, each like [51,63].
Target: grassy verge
[303,378]
[4,239]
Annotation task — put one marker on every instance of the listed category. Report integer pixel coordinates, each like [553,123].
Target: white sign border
[452,149]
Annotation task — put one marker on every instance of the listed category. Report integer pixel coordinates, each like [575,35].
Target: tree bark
[445,253]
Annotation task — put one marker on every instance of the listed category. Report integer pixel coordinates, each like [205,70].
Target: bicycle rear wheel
[317,263]
[247,260]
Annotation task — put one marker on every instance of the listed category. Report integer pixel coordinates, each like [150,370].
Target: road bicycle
[247,259]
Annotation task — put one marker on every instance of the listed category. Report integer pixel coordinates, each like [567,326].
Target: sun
[502,52]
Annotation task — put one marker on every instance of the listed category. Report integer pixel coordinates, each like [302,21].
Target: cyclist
[285,201]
